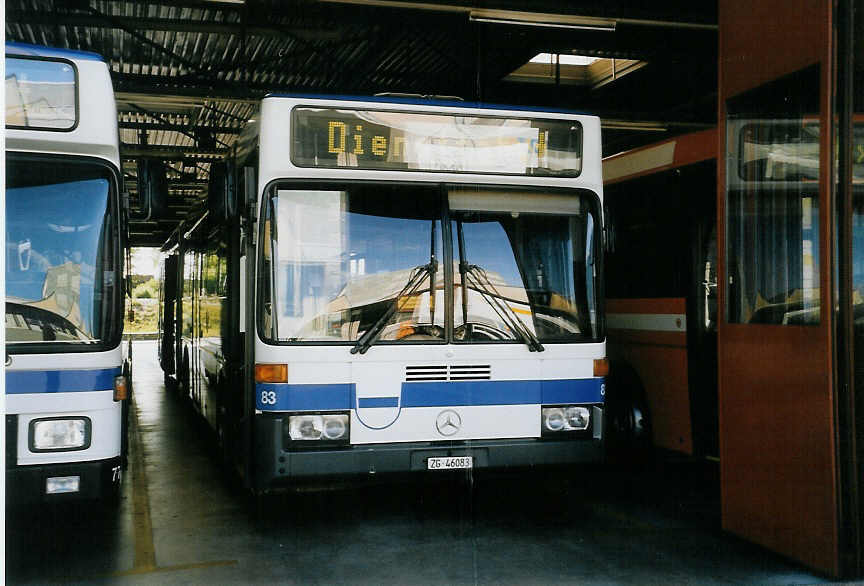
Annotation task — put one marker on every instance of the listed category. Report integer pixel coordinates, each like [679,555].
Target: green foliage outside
[141,279]
[146,290]
[144,316]
[142,310]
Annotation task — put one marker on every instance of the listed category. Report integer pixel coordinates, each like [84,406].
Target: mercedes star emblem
[448,422]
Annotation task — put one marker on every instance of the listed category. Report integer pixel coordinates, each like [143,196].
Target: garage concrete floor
[180,522]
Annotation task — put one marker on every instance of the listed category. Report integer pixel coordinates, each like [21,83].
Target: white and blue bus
[385,285]
[66,376]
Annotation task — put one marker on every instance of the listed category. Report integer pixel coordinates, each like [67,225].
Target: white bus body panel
[381,372]
[98,405]
[275,140]
[96,134]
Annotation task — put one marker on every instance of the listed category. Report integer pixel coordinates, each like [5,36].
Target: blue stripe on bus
[373,402]
[333,397]
[580,390]
[293,397]
[521,392]
[467,393]
[20,382]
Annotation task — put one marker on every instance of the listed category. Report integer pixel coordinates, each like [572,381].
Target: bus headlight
[331,427]
[59,434]
[335,426]
[565,418]
[577,417]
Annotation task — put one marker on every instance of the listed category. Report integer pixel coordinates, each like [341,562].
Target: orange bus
[661,286]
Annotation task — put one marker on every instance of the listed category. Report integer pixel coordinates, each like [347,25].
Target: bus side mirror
[221,193]
[250,190]
[608,231]
[152,190]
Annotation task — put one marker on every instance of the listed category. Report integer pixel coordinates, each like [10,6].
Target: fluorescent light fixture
[528,18]
[611,124]
[542,19]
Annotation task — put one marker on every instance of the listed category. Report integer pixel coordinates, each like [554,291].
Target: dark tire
[627,422]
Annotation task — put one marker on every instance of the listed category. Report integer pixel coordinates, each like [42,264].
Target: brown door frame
[778,472]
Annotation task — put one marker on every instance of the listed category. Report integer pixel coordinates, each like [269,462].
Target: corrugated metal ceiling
[188,73]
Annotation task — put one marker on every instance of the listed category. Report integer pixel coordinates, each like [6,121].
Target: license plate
[451,463]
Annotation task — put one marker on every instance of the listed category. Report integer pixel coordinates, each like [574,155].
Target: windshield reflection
[56,278]
[339,263]
[540,269]
[366,265]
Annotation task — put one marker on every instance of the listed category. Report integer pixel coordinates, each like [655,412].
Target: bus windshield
[524,266]
[366,264]
[60,273]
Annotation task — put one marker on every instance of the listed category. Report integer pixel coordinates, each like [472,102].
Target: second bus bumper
[279,469]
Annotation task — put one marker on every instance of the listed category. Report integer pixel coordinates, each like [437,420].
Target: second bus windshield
[339,263]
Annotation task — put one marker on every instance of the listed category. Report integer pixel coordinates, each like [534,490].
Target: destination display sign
[414,141]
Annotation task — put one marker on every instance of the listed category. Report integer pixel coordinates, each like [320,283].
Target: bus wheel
[627,424]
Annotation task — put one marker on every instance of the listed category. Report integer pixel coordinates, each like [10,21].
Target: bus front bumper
[50,483]
[368,460]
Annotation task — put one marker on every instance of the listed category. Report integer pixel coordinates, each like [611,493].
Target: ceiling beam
[258,29]
[661,15]
[164,91]
[132,88]
[178,127]
[214,5]
[169,153]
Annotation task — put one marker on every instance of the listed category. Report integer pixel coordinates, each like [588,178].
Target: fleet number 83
[268,397]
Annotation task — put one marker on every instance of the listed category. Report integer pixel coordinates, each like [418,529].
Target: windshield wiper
[418,275]
[477,278]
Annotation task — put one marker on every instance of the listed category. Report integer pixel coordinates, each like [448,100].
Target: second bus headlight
[318,427]
[565,418]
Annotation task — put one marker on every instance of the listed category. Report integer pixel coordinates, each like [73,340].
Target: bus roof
[50,52]
[85,98]
[675,152]
[425,101]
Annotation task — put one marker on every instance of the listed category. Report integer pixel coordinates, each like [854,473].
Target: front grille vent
[470,372]
[453,372]
[431,372]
